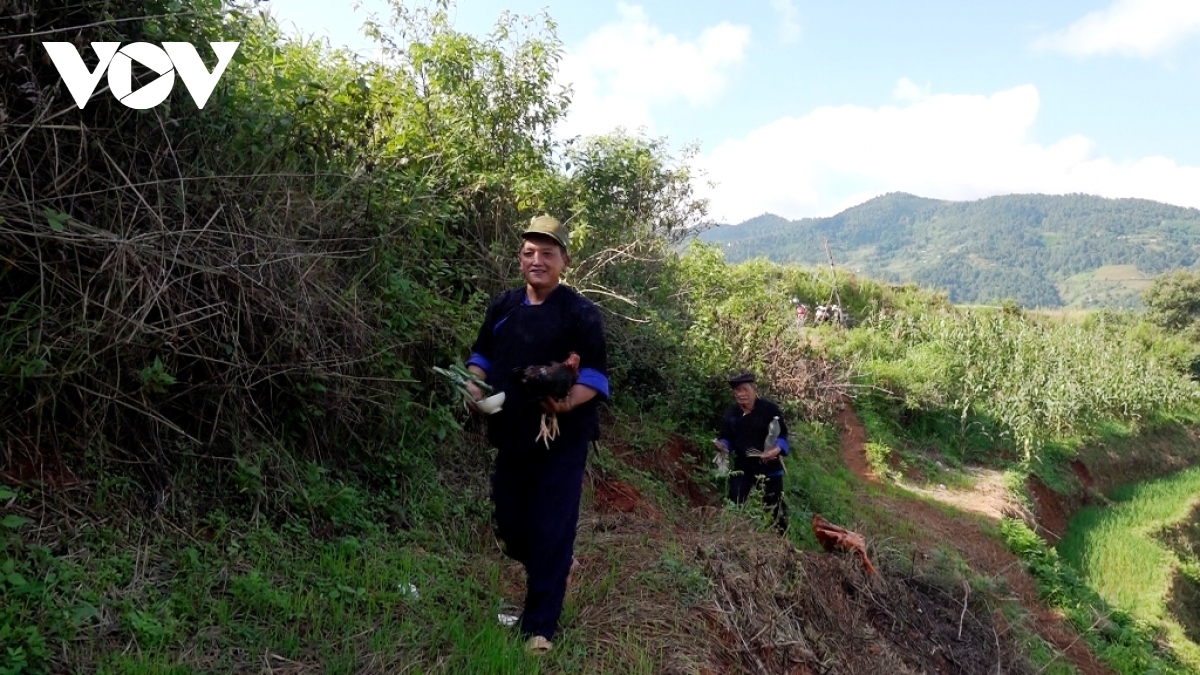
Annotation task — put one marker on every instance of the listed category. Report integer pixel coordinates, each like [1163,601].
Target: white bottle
[772,434]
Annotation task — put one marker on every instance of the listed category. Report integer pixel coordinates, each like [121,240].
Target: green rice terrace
[225,448]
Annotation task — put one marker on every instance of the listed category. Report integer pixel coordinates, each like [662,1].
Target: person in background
[744,431]
[536,485]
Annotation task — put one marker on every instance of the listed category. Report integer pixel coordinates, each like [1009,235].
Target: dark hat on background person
[741,377]
[549,226]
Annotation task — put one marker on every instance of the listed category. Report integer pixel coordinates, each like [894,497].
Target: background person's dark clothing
[744,433]
[740,486]
[535,490]
[748,432]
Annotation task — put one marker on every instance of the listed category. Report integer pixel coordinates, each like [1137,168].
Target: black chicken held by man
[552,381]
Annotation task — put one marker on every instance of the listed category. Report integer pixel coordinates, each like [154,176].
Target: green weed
[1115,551]
[1127,644]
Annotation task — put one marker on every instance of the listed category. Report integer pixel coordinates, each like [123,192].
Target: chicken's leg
[543,432]
[548,429]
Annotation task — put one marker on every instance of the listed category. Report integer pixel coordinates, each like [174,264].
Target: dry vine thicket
[159,303]
[792,370]
[817,384]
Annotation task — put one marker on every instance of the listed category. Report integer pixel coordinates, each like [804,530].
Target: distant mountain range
[1040,250]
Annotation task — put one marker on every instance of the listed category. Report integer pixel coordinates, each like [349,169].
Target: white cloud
[947,146]
[789,20]
[907,90]
[1142,28]
[621,71]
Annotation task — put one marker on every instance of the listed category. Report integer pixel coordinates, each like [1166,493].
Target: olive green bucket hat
[549,226]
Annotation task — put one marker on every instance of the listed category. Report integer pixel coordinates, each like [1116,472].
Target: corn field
[1038,380]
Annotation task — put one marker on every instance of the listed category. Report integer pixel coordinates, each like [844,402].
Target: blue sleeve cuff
[783,446]
[590,377]
[481,361]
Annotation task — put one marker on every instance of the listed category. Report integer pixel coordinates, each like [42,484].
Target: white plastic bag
[721,459]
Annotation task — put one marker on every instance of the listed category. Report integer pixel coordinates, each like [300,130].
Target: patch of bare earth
[987,495]
[984,553]
[1150,454]
[704,592]
[1053,511]
[1183,598]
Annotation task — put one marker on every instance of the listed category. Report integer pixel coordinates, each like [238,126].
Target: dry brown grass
[703,592]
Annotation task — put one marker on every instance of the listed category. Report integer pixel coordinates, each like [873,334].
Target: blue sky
[806,107]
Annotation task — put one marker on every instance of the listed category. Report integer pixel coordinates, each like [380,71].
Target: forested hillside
[1040,250]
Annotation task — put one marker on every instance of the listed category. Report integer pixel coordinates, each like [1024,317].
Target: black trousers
[740,485]
[536,495]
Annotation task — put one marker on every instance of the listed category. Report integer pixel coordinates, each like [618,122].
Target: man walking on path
[536,486]
[744,433]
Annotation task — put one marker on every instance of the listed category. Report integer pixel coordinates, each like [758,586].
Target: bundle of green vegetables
[461,378]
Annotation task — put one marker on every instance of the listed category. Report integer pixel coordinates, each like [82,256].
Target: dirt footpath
[984,553]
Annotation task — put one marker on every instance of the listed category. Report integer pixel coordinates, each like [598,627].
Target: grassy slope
[1118,552]
[924,448]
[664,586]
[1106,286]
